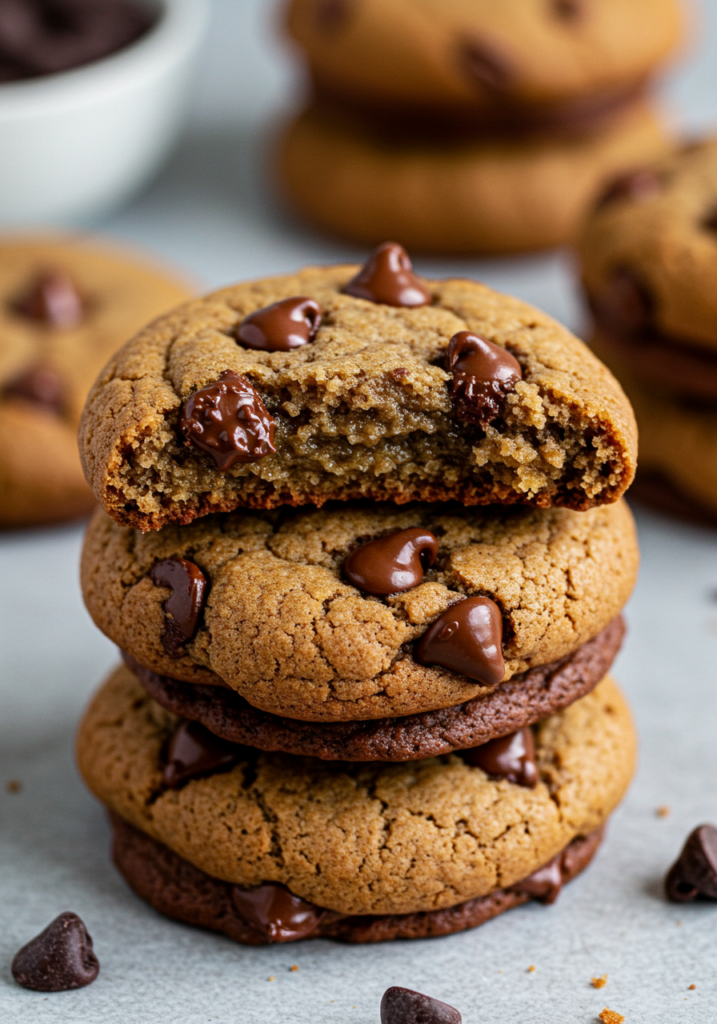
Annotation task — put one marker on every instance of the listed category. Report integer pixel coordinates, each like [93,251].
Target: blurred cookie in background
[476,128]
[649,257]
[67,304]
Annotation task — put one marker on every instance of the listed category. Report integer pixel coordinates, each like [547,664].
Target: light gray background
[212,214]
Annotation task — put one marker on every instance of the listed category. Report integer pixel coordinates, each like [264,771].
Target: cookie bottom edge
[177,889]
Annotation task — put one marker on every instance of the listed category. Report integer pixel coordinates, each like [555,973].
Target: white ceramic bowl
[75,144]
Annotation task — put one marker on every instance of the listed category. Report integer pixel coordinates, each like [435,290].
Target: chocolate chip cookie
[522,56]
[67,305]
[353,382]
[455,193]
[355,839]
[336,615]
[648,253]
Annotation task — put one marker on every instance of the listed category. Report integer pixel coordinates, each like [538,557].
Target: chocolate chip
[625,305]
[544,884]
[53,299]
[277,912]
[467,639]
[58,959]
[569,10]
[282,326]
[387,277]
[332,14]
[508,757]
[694,874]
[484,65]
[404,1006]
[184,605]
[228,420]
[39,385]
[194,751]
[483,374]
[637,185]
[392,564]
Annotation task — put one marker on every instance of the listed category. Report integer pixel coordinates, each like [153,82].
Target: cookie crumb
[271,978]
[531,969]
[663,811]
[692,987]
[294,967]
[13,786]
[610,1017]
[600,982]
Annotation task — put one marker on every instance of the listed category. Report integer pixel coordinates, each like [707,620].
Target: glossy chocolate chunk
[58,959]
[508,757]
[184,605]
[626,305]
[404,1006]
[228,420]
[392,564]
[544,884]
[635,185]
[282,326]
[39,385]
[194,751]
[52,299]
[694,874]
[467,638]
[276,911]
[483,374]
[484,65]
[387,277]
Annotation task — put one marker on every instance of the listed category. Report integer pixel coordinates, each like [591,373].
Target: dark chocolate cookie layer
[177,889]
[521,701]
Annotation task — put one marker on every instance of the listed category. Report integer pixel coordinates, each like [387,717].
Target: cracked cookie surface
[363,411]
[41,479]
[361,839]
[283,628]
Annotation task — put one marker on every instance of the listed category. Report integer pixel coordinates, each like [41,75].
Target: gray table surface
[211,212]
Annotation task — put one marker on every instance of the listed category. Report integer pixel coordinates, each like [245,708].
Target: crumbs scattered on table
[294,967]
[271,978]
[663,811]
[531,969]
[610,1017]
[600,982]
[13,786]
[692,987]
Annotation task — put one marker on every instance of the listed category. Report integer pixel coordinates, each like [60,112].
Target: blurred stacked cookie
[364,550]
[67,304]
[649,255]
[471,127]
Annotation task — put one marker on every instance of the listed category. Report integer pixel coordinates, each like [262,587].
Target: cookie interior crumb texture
[373,839]
[363,411]
[283,628]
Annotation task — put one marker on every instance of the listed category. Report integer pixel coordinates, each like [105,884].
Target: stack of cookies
[471,127]
[364,552]
[649,256]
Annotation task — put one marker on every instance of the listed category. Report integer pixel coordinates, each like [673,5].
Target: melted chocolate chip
[392,564]
[484,65]
[52,299]
[39,385]
[625,306]
[694,874]
[544,884]
[60,958]
[194,751]
[404,1006]
[228,420]
[508,757]
[184,605]
[483,374]
[467,639]
[387,277]
[277,912]
[635,185]
[282,326]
